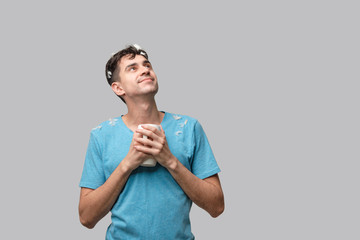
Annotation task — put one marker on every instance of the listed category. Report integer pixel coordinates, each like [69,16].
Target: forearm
[95,204]
[206,193]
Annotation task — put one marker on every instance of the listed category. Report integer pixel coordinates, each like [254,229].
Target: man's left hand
[155,145]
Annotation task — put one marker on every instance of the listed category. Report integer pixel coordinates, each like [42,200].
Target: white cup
[149,162]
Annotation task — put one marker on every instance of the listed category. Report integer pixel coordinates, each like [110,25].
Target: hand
[135,158]
[155,145]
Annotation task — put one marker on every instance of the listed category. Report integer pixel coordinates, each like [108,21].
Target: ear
[117,88]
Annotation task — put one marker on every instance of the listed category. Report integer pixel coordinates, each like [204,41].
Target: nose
[145,70]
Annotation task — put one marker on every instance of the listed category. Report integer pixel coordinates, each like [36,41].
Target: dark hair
[112,68]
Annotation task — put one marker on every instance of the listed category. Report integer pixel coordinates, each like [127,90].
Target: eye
[132,69]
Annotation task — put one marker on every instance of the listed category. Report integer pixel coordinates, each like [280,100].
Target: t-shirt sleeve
[93,175]
[203,162]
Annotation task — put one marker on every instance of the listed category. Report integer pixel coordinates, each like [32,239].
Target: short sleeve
[93,175]
[203,161]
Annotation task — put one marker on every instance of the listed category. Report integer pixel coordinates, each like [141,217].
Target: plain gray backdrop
[275,85]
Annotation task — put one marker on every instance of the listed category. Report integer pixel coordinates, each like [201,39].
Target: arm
[206,193]
[94,204]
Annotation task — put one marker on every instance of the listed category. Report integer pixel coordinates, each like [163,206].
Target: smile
[146,79]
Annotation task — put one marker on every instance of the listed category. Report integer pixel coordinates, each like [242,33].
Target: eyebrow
[134,64]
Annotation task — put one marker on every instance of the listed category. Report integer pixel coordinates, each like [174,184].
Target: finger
[148,127]
[158,140]
[162,131]
[148,143]
[144,149]
[148,133]
[142,141]
[137,134]
[152,128]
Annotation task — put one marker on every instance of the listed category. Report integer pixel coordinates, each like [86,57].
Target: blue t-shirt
[151,205]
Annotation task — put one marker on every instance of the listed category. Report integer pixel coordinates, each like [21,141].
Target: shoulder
[184,119]
[182,124]
[106,126]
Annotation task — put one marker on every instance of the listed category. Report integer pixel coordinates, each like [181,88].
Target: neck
[142,112]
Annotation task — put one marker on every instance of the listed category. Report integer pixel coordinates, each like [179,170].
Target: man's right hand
[135,158]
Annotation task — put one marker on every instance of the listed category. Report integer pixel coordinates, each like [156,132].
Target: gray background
[274,84]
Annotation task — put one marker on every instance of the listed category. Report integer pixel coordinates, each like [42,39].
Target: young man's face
[137,78]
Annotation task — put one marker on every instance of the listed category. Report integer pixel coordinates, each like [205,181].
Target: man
[146,202]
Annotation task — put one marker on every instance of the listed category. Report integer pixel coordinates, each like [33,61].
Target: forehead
[127,60]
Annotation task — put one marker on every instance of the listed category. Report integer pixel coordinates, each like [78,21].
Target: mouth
[146,79]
